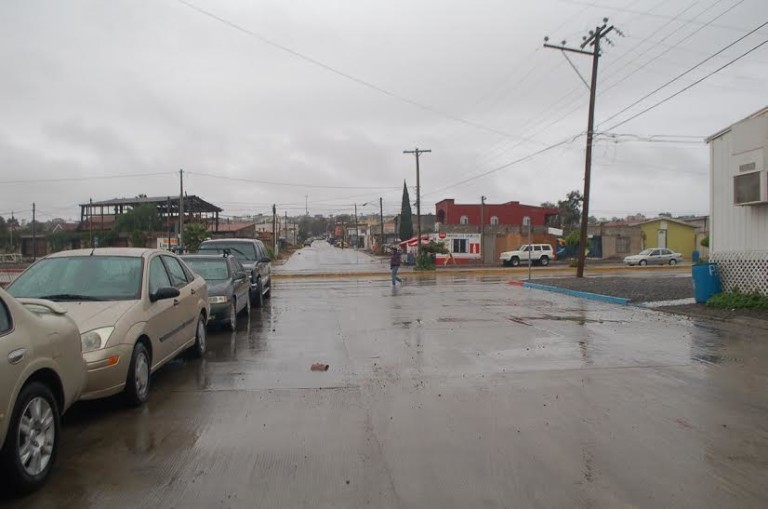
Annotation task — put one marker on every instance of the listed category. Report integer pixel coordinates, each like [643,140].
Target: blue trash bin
[706,281]
[695,256]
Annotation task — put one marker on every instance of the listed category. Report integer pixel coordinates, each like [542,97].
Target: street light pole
[417,152]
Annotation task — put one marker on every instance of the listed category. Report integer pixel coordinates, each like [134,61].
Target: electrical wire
[646,110]
[343,74]
[284,184]
[83,178]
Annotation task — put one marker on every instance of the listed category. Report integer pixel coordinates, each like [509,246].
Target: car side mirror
[164,293]
[239,275]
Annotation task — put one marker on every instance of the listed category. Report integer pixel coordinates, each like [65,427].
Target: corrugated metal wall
[734,227]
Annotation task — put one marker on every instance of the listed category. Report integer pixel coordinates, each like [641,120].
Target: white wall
[735,227]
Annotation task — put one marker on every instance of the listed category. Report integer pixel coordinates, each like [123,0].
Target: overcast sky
[281,102]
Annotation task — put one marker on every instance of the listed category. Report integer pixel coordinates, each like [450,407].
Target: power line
[689,70]
[343,74]
[285,184]
[688,87]
[83,178]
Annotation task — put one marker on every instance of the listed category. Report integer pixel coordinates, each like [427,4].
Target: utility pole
[306,204]
[593,40]
[482,229]
[90,221]
[381,220]
[34,234]
[417,152]
[13,223]
[181,211]
[274,228]
[357,236]
[168,220]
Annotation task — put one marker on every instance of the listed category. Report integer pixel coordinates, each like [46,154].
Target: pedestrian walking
[394,265]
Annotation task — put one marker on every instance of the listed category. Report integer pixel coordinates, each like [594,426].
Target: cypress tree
[406,217]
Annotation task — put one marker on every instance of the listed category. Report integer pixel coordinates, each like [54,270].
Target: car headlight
[95,339]
[218,299]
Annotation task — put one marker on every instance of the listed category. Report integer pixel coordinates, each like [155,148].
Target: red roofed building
[511,213]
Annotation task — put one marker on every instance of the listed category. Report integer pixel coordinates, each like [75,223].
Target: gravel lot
[659,288]
[637,289]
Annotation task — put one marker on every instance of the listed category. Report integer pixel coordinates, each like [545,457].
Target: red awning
[412,241]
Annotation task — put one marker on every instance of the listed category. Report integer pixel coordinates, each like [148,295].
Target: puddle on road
[581,320]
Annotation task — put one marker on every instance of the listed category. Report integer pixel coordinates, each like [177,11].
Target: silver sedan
[654,256]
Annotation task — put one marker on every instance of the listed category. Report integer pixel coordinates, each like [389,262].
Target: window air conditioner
[750,188]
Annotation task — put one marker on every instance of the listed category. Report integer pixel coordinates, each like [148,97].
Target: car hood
[218,288]
[633,257]
[92,315]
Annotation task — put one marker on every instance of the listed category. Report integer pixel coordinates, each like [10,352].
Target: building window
[494,220]
[441,216]
[459,245]
[464,220]
[622,245]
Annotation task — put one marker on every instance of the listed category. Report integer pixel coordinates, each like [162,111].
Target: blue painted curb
[576,293]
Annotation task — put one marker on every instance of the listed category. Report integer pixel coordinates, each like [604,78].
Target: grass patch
[738,300]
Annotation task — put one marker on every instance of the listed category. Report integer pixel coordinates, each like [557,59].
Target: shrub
[738,300]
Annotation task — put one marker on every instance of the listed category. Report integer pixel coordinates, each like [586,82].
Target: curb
[575,293]
[490,271]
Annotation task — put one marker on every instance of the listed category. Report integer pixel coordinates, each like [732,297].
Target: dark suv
[254,256]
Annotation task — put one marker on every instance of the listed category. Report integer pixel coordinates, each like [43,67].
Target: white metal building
[739,203]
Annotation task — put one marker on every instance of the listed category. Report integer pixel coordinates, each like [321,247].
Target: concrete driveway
[445,392]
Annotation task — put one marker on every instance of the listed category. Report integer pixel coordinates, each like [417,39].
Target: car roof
[205,257]
[136,252]
[239,241]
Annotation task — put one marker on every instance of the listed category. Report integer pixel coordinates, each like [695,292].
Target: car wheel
[269,290]
[544,261]
[232,320]
[642,263]
[139,376]
[673,262]
[201,338]
[32,440]
[257,300]
[515,261]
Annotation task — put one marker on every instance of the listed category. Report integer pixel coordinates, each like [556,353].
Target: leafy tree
[665,214]
[138,238]
[705,241]
[142,218]
[570,210]
[406,216]
[194,235]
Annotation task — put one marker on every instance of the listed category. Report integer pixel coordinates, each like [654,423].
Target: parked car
[254,256]
[654,256]
[41,375]
[228,286]
[136,309]
[540,254]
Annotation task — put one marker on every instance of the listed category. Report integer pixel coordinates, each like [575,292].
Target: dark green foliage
[406,219]
[738,300]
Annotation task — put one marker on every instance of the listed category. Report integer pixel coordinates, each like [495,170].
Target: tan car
[41,374]
[136,310]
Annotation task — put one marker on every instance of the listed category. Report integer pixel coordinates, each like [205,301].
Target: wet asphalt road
[446,392]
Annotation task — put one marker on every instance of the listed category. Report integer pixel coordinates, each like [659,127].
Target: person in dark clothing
[394,265]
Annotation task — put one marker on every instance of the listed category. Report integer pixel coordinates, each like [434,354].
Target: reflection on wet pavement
[443,392]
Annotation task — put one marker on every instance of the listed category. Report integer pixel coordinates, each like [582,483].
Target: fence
[746,271]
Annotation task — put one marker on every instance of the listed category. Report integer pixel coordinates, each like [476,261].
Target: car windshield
[211,269]
[243,251]
[646,251]
[524,247]
[81,278]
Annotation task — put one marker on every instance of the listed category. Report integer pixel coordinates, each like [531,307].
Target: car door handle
[17,355]
[175,302]
[193,291]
